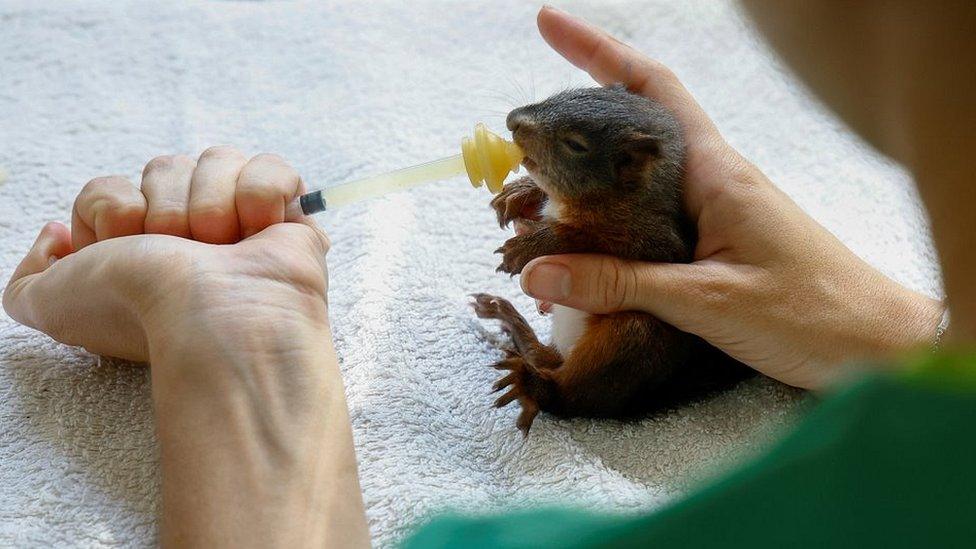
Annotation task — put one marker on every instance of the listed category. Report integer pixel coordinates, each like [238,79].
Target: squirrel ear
[643,145]
[635,154]
[639,148]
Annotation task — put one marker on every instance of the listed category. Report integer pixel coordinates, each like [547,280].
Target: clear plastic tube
[486,159]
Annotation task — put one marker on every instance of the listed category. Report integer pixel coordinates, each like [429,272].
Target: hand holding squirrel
[768,284]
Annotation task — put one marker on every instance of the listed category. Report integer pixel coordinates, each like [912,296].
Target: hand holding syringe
[487,159]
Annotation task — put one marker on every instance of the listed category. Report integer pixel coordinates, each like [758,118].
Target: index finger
[610,61]
[265,186]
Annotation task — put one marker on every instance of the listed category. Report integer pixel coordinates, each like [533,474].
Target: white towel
[345,89]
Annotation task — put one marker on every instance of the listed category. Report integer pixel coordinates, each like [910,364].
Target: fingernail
[549,281]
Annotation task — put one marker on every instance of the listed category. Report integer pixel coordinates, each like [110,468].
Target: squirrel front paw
[516,254]
[496,308]
[519,199]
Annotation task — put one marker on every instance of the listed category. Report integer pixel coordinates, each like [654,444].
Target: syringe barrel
[486,159]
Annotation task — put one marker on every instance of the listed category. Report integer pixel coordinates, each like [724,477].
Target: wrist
[913,322]
[213,340]
[234,335]
[250,407]
[245,313]
[875,322]
[902,321]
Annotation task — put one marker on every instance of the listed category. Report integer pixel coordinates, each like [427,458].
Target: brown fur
[612,163]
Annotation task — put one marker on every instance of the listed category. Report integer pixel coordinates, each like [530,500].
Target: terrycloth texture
[348,89]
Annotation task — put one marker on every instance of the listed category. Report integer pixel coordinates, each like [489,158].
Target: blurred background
[343,90]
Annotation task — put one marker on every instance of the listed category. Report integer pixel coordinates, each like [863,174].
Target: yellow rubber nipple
[488,158]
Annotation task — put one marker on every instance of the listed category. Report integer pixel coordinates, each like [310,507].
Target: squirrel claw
[516,382]
[506,399]
[504,382]
[529,410]
[519,199]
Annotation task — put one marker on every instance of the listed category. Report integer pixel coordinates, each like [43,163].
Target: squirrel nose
[516,119]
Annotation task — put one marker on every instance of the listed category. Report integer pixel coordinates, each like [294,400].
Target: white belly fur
[567,327]
[567,324]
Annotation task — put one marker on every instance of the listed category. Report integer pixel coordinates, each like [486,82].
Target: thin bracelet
[940,331]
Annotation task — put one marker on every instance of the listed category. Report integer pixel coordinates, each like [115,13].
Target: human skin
[901,74]
[254,434]
[768,285]
[255,441]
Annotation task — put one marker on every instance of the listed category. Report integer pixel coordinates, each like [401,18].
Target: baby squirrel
[605,176]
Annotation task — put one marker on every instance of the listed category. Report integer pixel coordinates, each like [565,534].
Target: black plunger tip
[312,203]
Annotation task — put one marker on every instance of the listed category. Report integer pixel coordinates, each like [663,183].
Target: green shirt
[889,461]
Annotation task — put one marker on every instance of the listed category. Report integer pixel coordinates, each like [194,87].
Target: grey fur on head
[587,141]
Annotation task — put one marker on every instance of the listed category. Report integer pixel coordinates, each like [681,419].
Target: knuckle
[99,184]
[167,163]
[276,163]
[740,170]
[49,227]
[616,284]
[715,291]
[220,151]
[268,175]
[268,158]
[158,164]
[660,71]
[264,190]
[99,194]
[655,72]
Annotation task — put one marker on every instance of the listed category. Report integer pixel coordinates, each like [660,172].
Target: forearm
[253,454]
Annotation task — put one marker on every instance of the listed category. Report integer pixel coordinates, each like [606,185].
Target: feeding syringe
[486,158]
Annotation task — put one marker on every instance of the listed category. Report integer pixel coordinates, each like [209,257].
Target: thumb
[605,284]
[53,243]
[304,230]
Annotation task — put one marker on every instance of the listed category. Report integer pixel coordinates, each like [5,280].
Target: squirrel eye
[575,145]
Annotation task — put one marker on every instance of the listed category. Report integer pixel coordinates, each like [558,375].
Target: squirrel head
[594,143]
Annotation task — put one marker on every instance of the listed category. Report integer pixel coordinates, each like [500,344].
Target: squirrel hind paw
[521,381]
